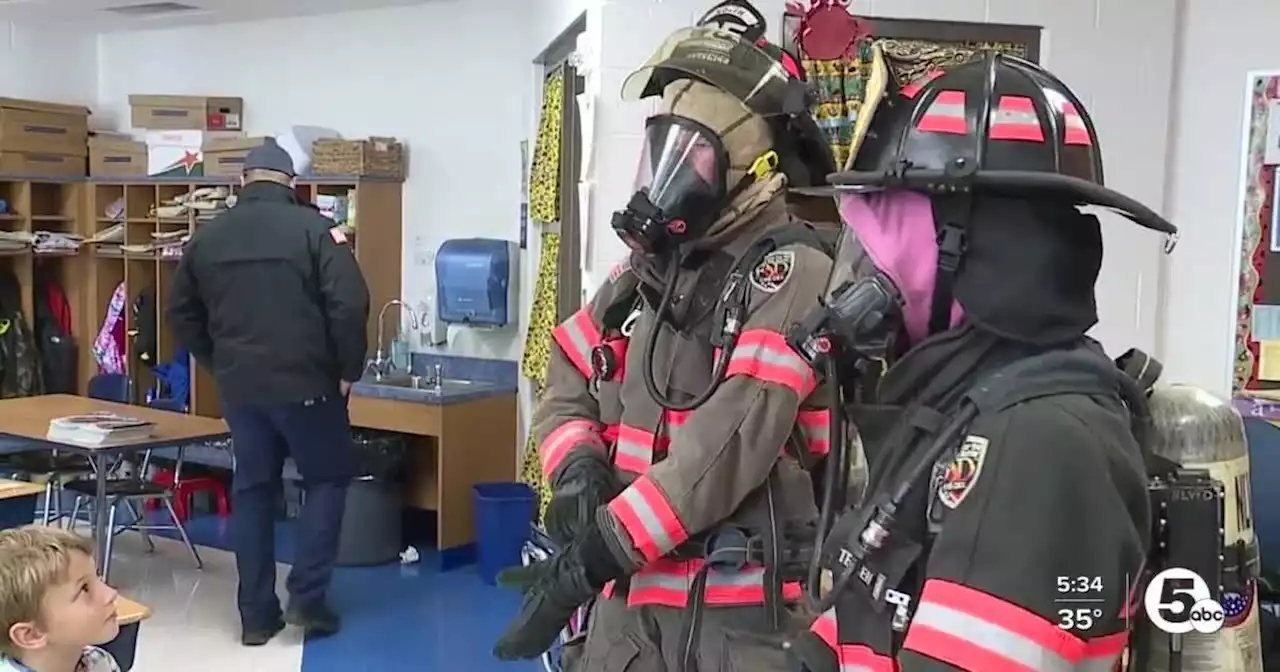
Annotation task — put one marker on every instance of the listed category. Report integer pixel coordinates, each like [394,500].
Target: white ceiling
[90,14]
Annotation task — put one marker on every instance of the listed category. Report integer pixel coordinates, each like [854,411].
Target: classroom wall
[422,74]
[1183,158]
[1221,43]
[54,63]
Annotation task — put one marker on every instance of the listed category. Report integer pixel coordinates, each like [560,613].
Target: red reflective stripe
[647,517]
[576,337]
[945,114]
[563,439]
[765,355]
[1015,118]
[860,658]
[1076,132]
[677,418]
[666,582]
[973,630]
[910,90]
[634,449]
[815,427]
[610,434]
[607,591]
[826,629]
[619,268]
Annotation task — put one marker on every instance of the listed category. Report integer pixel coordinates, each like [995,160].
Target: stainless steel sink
[428,383]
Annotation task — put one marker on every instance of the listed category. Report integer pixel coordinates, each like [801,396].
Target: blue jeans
[317,435]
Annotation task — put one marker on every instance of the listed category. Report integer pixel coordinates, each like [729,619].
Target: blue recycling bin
[504,512]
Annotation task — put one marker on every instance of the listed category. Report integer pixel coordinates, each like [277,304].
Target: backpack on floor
[58,351]
[19,360]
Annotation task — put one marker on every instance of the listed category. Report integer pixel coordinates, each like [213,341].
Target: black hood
[1029,270]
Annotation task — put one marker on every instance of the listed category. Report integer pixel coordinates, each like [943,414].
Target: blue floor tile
[398,617]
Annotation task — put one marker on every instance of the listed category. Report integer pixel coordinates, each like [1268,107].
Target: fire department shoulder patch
[338,236]
[773,271]
[962,473]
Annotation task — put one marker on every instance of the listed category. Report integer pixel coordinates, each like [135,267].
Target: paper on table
[1269,360]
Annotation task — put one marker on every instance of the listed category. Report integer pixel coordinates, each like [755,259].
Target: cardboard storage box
[181,153]
[116,156]
[45,128]
[41,163]
[225,156]
[186,113]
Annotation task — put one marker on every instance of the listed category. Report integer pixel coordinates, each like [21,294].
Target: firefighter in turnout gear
[678,427]
[1006,516]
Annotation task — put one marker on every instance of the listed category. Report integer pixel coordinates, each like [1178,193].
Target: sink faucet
[381,364]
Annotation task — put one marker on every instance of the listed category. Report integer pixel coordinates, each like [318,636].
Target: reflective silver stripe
[748,578]
[634,450]
[1017,117]
[990,637]
[648,518]
[578,337]
[1098,664]
[768,355]
[938,109]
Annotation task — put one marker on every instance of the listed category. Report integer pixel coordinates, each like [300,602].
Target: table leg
[100,533]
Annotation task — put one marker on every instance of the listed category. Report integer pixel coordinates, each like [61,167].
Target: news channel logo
[1178,601]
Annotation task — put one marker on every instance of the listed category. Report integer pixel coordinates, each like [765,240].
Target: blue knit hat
[269,156]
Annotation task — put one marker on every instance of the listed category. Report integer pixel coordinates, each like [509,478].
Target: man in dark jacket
[270,299]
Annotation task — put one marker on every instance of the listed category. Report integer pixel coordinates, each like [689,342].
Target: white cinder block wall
[56,63]
[1220,44]
[1092,45]
[450,77]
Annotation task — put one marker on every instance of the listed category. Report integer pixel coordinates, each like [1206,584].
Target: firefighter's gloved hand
[553,589]
[584,485]
[808,653]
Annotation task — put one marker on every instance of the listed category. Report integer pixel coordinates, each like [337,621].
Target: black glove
[585,484]
[553,589]
[808,653]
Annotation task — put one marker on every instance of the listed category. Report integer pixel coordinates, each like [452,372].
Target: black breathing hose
[835,481]
[650,347]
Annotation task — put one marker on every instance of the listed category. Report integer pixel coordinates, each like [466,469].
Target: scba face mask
[853,335]
[680,186]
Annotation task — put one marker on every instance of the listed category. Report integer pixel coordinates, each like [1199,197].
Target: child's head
[50,593]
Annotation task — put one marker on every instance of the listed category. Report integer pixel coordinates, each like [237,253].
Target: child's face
[78,612]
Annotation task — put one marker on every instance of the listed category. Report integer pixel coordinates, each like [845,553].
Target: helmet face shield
[719,58]
[679,188]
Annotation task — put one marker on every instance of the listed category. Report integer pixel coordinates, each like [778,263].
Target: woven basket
[375,157]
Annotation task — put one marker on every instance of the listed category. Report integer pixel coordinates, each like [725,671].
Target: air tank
[1201,431]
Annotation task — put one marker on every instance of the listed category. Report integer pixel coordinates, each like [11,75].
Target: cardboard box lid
[41,106]
[221,144]
[192,102]
[113,142]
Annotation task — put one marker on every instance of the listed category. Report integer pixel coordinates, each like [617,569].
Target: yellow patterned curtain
[544,179]
[537,354]
[544,206]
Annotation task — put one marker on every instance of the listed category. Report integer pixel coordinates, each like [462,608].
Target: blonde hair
[33,559]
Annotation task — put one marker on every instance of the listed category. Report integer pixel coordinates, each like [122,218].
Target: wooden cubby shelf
[91,276]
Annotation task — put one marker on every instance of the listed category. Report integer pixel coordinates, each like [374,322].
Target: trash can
[371,524]
[503,514]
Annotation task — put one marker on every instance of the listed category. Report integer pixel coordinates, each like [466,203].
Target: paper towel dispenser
[476,281]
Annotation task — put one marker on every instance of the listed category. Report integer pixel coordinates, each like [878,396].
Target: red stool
[188,487]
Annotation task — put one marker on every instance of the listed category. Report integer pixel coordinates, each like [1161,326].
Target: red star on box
[189,160]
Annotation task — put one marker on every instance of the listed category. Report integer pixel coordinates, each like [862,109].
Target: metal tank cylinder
[1201,431]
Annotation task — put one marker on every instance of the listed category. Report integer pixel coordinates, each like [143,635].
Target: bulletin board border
[1253,224]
